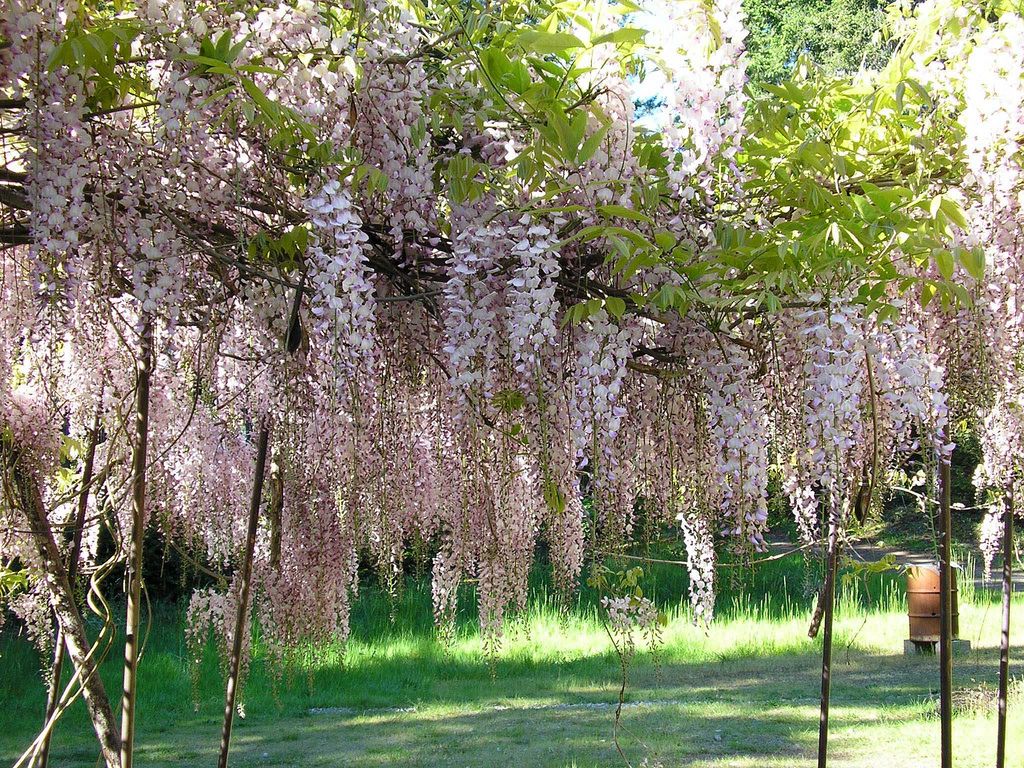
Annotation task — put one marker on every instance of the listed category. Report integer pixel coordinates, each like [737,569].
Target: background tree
[838,35]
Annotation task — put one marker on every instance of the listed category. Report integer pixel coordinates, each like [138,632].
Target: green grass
[741,693]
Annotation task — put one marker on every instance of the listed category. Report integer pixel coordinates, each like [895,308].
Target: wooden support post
[244,588]
[946,618]
[1004,640]
[828,598]
[134,570]
[292,342]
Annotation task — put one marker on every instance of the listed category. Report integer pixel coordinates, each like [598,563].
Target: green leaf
[496,62]
[237,48]
[665,240]
[887,313]
[208,61]
[928,291]
[267,107]
[260,69]
[641,260]
[553,497]
[224,45]
[616,307]
[591,144]
[621,212]
[973,260]
[509,400]
[543,43]
[953,211]
[518,78]
[622,35]
[944,261]
[634,237]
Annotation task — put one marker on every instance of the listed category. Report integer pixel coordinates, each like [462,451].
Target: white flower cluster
[703,118]
[628,613]
[343,293]
[472,308]
[833,380]
[602,350]
[389,106]
[990,536]
[993,120]
[1002,437]
[912,383]
[533,308]
[59,169]
[738,432]
[698,537]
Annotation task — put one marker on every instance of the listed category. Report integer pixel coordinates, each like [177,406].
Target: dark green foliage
[836,35]
[170,574]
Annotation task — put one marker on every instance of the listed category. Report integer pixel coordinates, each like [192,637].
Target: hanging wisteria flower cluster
[993,123]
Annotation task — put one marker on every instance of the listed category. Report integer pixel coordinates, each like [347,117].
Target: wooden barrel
[924,603]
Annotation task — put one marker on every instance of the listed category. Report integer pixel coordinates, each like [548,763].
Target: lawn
[742,693]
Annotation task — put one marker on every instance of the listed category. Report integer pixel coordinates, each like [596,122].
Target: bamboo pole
[1004,640]
[946,618]
[134,573]
[292,342]
[243,594]
[828,599]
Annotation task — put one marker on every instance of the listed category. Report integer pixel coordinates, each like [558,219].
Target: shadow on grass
[751,695]
[684,713]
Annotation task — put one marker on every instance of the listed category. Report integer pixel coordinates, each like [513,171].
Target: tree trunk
[76,551]
[827,610]
[244,588]
[134,572]
[29,498]
[946,619]
[1004,640]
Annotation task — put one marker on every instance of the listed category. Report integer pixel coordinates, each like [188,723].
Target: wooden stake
[828,598]
[1004,640]
[243,594]
[292,342]
[134,572]
[946,618]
